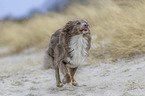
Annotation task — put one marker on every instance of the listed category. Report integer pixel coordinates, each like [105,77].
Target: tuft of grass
[117,28]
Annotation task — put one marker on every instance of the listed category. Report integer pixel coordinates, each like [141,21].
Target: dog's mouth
[85,30]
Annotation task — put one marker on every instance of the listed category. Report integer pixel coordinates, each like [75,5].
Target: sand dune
[23,75]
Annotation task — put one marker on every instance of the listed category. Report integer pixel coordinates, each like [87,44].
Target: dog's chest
[78,46]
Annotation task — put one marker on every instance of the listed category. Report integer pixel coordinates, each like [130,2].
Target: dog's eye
[79,23]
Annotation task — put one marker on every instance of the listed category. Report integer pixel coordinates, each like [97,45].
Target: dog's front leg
[66,73]
[59,84]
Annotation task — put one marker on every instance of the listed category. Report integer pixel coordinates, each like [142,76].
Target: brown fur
[59,49]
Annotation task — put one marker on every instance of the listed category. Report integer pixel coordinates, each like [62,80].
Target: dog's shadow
[67,87]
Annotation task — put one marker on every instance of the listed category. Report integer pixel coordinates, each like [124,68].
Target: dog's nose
[86,25]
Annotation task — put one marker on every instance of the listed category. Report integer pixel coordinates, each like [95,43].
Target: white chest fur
[78,45]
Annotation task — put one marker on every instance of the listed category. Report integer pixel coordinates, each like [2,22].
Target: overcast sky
[21,8]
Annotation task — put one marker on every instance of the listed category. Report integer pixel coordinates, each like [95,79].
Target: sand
[23,75]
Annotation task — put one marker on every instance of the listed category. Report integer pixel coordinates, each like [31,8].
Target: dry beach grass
[117,28]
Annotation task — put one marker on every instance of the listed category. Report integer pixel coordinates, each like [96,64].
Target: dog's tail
[48,61]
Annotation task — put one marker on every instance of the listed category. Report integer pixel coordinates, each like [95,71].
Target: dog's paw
[59,85]
[74,83]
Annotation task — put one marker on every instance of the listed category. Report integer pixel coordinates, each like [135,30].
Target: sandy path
[23,75]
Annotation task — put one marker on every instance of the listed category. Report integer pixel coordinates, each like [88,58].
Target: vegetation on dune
[117,28]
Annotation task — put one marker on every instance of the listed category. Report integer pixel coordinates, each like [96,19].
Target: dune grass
[117,28]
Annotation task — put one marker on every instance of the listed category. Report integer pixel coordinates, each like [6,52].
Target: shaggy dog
[68,49]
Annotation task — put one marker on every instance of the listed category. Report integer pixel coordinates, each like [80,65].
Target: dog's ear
[68,27]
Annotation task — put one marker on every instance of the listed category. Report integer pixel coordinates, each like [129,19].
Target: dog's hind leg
[72,72]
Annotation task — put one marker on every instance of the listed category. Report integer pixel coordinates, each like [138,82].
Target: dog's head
[76,27]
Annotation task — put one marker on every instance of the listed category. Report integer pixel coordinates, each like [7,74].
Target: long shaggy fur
[79,46]
[68,49]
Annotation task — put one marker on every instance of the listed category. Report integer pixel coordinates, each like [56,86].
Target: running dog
[68,48]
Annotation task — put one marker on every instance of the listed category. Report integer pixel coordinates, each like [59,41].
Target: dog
[68,48]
